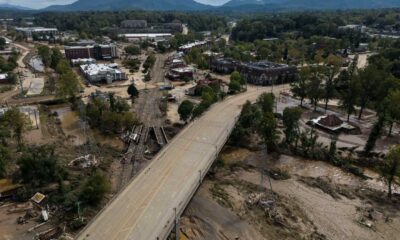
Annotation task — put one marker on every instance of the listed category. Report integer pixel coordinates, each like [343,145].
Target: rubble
[85,161]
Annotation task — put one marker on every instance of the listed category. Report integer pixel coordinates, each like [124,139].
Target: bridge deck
[145,208]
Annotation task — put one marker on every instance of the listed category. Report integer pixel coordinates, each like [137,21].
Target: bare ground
[318,201]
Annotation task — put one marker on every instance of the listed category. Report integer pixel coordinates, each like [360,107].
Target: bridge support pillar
[177,227]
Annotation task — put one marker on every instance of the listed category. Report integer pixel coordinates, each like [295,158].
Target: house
[331,123]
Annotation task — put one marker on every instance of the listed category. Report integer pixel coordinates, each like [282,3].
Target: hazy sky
[44,3]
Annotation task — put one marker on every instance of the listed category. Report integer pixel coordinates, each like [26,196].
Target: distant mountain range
[245,5]
[160,5]
[233,5]
[6,6]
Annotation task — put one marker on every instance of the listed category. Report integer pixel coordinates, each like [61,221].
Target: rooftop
[95,69]
[193,44]
[36,29]
[183,70]
[150,35]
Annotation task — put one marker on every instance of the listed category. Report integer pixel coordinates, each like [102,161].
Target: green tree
[250,116]
[185,110]
[68,85]
[393,108]
[314,89]
[56,57]
[370,80]
[132,91]
[2,43]
[132,50]
[267,130]
[330,84]
[94,189]
[237,77]
[63,66]
[349,92]
[199,109]
[267,102]
[375,134]
[391,167]
[38,165]
[45,54]
[299,88]
[291,117]
[5,156]
[234,87]
[18,123]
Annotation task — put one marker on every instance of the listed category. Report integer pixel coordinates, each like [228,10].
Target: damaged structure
[331,123]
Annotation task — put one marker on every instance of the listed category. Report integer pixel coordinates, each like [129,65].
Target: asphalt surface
[145,209]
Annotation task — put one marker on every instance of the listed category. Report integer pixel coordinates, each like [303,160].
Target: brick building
[98,52]
[258,73]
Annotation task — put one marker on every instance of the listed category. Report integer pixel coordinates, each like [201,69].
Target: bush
[94,189]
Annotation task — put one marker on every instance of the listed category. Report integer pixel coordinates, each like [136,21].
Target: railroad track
[147,108]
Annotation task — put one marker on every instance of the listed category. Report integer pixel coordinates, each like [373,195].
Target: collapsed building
[258,73]
[103,72]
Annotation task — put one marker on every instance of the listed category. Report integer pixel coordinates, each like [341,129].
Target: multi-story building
[98,52]
[103,72]
[38,32]
[258,73]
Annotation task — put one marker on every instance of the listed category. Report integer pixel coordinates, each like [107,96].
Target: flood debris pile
[281,212]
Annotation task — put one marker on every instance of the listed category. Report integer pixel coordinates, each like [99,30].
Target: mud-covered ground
[309,200]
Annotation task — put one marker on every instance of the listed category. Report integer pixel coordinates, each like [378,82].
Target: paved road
[144,210]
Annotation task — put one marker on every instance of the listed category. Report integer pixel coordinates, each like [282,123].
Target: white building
[189,46]
[82,61]
[102,72]
[132,37]
[40,31]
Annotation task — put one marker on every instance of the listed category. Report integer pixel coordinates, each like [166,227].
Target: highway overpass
[147,207]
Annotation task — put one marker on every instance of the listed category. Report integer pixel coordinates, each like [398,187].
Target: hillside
[250,5]
[161,5]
